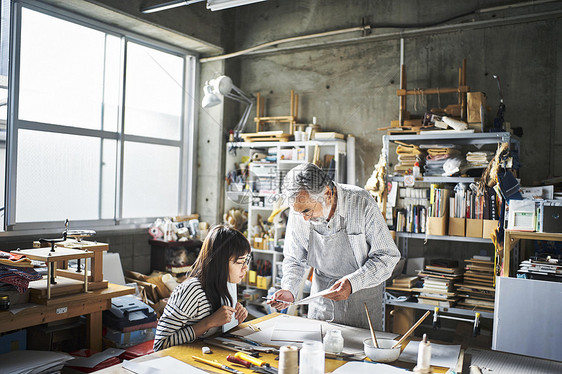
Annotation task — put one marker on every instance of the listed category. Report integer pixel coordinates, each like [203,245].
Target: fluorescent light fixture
[169,5]
[224,4]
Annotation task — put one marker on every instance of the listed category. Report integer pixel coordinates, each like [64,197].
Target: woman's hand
[241,313]
[222,316]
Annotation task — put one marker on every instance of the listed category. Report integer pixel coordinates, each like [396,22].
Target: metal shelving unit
[243,199]
[451,137]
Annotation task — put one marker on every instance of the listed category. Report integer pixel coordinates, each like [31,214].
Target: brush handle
[373,336]
[411,330]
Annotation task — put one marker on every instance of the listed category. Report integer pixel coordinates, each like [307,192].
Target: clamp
[475,321]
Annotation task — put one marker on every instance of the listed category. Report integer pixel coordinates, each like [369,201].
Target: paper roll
[455,124]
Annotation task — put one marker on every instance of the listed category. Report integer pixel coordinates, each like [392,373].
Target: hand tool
[217,365]
[411,330]
[229,335]
[231,348]
[256,361]
[246,364]
[279,301]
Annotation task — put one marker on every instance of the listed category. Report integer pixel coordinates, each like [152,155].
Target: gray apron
[332,258]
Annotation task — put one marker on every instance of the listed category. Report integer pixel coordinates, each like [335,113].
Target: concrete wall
[350,87]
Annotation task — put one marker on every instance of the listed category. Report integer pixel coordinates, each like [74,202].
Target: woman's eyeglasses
[247,260]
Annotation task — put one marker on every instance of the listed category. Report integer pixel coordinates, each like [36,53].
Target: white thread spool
[288,359]
[424,357]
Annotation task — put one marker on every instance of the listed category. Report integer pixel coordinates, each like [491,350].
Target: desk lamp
[223,86]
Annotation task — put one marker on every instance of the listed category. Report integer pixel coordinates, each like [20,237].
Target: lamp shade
[210,99]
[222,85]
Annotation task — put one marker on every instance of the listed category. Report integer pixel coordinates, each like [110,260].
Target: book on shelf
[436,302]
[448,270]
[405,281]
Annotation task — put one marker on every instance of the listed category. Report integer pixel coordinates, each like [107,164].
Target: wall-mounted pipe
[259,49]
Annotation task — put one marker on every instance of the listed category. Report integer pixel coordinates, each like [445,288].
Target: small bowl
[384,353]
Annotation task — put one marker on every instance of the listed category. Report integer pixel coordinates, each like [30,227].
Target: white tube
[351,159]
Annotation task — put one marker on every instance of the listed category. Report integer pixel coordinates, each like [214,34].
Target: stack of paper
[33,362]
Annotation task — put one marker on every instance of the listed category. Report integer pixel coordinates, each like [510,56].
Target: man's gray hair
[306,177]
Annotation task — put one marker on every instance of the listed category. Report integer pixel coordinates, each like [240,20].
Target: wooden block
[407,123]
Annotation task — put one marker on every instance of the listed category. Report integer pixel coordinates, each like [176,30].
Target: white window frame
[187,142]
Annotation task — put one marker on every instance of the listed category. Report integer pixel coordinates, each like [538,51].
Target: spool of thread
[288,360]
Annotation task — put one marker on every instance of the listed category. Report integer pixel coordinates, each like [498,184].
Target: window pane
[61,72]
[108,178]
[150,180]
[58,176]
[113,83]
[153,93]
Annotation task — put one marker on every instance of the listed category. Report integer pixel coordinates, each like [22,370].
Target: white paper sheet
[368,368]
[32,361]
[308,299]
[296,330]
[162,365]
[352,336]
[97,358]
[442,355]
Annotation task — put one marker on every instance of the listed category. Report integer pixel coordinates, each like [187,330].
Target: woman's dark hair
[212,265]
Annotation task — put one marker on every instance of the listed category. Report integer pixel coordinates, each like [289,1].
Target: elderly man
[339,231]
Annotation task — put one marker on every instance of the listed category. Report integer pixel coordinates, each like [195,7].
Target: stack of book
[403,283]
[547,269]
[477,290]
[439,283]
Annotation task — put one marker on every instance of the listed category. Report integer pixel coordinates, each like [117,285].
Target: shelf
[436,179]
[457,137]
[410,235]
[281,162]
[264,208]
[265,251]
[459,311]
[285,144]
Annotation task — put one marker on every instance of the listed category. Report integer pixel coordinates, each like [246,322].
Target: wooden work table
[91,304]
[184,353]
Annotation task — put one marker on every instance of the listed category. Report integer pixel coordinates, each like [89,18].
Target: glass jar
[333,342]
[4,302]
[311,359]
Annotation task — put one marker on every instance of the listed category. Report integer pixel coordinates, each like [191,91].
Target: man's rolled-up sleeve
[383,255]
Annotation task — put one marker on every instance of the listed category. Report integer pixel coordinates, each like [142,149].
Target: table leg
[94,330]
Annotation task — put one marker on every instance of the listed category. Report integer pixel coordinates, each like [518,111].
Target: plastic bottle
[333,342]
[416,170]
[312,358]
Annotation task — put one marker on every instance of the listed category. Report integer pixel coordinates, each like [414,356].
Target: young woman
[203,303]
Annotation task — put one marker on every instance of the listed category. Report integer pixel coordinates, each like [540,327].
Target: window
[98,125]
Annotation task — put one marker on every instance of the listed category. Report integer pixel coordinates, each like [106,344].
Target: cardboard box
[474,228]
[263,282]
[488,227]
[476,109]
[457,226]
[14,341]
[437,225]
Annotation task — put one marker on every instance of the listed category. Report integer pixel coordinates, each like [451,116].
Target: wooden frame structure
[291,119]
[403,92]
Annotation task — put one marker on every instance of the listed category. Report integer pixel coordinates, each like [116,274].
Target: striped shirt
[357,213]
[187,305]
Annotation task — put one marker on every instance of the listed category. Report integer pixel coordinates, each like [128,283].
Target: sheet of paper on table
[442,355]
[368,368]
[162,365]
[353,336]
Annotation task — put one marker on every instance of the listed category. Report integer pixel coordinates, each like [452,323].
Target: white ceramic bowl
[384,353]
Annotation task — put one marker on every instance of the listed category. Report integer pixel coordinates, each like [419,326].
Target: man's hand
[340,290]
[241,313]
[280,296]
